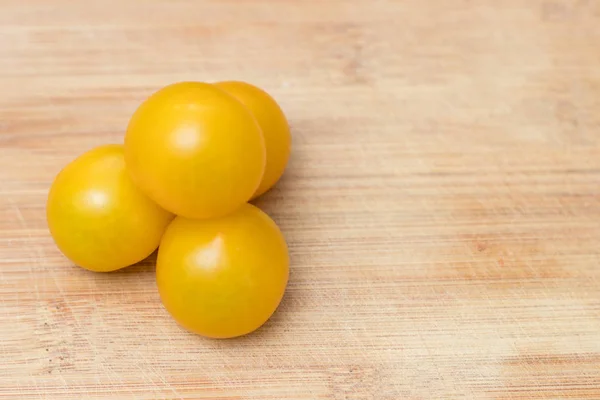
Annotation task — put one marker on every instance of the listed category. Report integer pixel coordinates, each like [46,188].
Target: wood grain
[442,204]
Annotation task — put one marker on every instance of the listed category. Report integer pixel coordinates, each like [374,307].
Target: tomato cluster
[194,155]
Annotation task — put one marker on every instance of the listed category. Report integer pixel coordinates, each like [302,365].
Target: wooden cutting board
[442,204]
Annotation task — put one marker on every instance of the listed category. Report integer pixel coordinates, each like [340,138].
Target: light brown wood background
[442,205]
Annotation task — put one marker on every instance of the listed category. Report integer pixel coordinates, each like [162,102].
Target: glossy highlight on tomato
[98,218]
[273,124]
[195,150]
[223,277]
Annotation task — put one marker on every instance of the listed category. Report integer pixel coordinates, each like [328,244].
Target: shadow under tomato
[270,330]
[148,264]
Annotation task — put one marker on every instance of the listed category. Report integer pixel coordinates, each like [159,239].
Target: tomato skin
[195,150]
[223,277]
[98,218]
[274,125]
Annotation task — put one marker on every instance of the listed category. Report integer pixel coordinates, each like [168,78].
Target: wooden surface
[442,206]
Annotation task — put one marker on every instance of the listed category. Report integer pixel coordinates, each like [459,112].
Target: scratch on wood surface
[37,257]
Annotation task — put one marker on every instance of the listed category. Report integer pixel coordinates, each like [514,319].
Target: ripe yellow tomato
[223,277]
[98,218]
[274,126]
[195,150]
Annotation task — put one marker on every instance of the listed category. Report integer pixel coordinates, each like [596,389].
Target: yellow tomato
[223,277]
[274,126]
[98,218]
[195,150]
